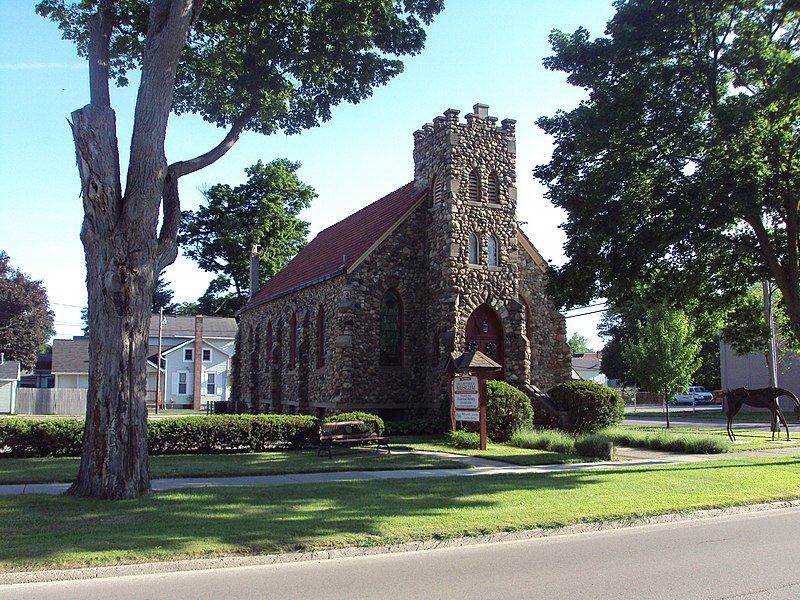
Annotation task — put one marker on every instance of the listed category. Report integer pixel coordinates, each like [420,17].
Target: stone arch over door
[484,331]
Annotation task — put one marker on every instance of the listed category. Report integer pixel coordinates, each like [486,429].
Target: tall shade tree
[665,355]
[680,171]
[263,211]
[26,322]
[241,65]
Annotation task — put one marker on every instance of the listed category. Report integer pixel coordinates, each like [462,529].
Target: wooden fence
[51,401]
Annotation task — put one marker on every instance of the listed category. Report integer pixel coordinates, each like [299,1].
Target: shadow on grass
[40,531]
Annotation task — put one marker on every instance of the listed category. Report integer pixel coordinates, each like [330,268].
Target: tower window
[438,190]
[473,186]
[391,334]
[491,250]
[492,189]
[473,249]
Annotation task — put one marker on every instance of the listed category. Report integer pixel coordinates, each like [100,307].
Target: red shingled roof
[325,256]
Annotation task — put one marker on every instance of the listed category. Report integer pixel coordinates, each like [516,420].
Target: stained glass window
[391,330]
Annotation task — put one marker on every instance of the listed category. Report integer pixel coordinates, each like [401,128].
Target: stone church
[365,315]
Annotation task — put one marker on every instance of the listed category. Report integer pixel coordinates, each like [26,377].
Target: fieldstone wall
[425,259]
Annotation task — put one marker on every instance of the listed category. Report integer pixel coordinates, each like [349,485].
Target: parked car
[696,394]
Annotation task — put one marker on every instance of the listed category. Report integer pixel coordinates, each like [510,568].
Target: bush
[593,445]
[590,406]
[463,439]
[664,440]
[415,427]
[375,423]
[179,435]
[544,439]
[33,437]
[507,410]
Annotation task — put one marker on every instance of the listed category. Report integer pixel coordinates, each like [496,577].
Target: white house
[195,360]
[586,366]
[9,380]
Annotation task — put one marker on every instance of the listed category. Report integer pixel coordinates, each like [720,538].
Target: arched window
[293,341]
[473,249]
[473,187]
[391,335]
[321,326]
[437,192]
[269,341]
[491,252]
[493,188]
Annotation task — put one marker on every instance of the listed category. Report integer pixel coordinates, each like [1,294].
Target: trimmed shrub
[590,406]
[463,439]
[374,421]
[507,410]
[690,443]
[21,437]
[550,440]
[415,427]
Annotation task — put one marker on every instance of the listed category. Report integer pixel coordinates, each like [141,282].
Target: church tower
[469,169]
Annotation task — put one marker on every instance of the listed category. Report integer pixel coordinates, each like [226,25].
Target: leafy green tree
[241,65]
[679,172]
[578,344]
[26,321]
[665,354]
[263,211]
[619,325]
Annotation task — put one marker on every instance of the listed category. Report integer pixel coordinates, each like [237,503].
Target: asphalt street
[749,556]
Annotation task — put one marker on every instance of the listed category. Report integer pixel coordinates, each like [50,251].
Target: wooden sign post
[468,374]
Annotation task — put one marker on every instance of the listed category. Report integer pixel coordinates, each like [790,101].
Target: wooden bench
[349,433]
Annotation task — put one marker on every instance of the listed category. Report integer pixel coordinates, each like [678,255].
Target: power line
[585,314]
[587,306]
[67,305]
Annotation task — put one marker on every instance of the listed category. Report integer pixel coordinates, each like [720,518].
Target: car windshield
[699,389]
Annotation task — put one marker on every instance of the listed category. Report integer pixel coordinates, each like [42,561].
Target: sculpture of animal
[761,398]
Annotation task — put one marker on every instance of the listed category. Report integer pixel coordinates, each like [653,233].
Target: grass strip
[65,469]
[672,441]
[499,452]
[57,532]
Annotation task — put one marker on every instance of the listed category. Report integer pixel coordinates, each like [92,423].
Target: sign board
[466,393]
[468,415]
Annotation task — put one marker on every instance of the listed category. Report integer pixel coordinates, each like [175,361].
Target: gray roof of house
[71,356]
[180,326]
[9,370]
[586,363]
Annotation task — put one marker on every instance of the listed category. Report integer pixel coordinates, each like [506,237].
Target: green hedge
[590,406]
[179,435]
[463,439]
[416,427]
[507,410]
[375,423]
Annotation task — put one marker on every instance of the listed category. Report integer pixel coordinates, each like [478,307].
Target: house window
[391,335]
[206,355]
[321,326]
[188,354]
[211,384]
[473,187]
[473,249]
[492,189]
[293,341]
[491,250]
[437,190]
[183,379]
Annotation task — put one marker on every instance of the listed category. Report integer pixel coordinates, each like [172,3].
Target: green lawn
[49,470]
[500,452]
[716,415]
[51,531]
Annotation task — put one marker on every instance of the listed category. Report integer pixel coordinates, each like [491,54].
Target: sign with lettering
[473,416]
[466,393]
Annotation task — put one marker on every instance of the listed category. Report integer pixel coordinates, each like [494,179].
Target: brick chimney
[198,362]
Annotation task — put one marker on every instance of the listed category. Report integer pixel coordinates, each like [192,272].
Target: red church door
[484,332]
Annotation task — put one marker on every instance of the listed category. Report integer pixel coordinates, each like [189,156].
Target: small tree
[578,344]
[26,322]
[664,356]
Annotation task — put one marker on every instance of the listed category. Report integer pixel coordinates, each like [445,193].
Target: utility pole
[158,357]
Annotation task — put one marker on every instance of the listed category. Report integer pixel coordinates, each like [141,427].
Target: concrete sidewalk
[627,458]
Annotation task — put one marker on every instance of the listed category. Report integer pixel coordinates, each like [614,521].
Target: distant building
[195,363]
[586,367]
[9,380]
[750,371]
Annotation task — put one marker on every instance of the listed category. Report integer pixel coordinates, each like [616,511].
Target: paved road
[748,557]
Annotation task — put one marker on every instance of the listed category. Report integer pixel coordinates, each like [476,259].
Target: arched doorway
[484,332]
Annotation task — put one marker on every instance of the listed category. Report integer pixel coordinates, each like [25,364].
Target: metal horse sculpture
[763,398]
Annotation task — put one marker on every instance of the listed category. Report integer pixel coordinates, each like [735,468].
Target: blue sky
[476,51]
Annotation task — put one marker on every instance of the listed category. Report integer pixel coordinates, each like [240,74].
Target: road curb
[227,562]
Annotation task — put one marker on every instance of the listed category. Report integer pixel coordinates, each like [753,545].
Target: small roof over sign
[466,361]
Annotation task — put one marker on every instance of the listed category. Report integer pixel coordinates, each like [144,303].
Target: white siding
[7,389]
